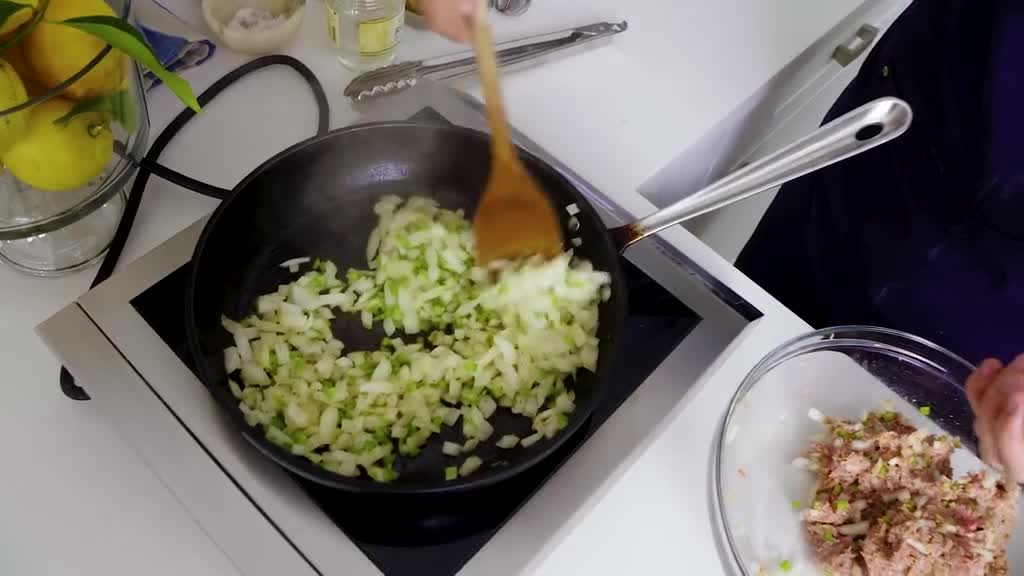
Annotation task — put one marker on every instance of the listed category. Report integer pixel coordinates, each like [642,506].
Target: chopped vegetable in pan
[462,343]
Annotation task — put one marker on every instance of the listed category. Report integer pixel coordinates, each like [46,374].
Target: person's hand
[451,17]
[996,394]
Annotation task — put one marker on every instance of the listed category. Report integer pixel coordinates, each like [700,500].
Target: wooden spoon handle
[501,142]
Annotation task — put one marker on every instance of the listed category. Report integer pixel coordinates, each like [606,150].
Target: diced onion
[293,264]
[531,440]
[253,375]
[860,445]
[916,545]
[470,465]
[232,360]
[462,342]
[507,442]
[802,463]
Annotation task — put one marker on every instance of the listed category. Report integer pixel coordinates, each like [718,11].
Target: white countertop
[75,500]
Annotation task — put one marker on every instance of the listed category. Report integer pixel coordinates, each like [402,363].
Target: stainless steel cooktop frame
[254,512]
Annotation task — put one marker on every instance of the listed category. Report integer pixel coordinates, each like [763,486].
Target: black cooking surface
[437,535]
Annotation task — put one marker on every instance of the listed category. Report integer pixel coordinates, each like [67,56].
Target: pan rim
[363,485]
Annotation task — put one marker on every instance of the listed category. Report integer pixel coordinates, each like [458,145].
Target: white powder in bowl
[254,20]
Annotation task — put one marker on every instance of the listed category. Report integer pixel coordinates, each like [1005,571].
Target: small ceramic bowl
[254,37]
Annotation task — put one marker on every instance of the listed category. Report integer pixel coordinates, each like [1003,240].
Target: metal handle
[861,130]
[511,7]
[846,53]
[397,77]
[509,55]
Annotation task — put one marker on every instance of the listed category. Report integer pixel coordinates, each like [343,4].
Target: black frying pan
[317,198]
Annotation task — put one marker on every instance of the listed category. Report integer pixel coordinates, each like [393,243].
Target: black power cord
[173,176]
[149,165]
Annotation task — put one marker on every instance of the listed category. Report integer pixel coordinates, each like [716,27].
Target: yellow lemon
[57,52]
[60,157]
[15,56]
[13,127]
[19,17]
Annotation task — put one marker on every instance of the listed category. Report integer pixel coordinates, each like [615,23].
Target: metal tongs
[397,77]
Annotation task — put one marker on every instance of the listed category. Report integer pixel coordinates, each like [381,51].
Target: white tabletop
[76,501]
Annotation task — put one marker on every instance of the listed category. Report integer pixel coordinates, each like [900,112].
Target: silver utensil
[398,77]
[872,124]
[511,7]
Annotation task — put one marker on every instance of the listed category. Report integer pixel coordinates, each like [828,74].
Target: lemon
[15,56]
[54,157]
[57,52]
[18,18]
[13,127]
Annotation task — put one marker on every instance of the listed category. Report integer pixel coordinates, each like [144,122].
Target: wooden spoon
[515,218]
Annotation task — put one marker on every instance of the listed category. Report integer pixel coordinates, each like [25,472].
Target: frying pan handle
[862,129]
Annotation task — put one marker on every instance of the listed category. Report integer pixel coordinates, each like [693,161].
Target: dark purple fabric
[925,234]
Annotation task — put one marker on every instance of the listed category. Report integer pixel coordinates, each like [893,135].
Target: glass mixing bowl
[842,372]
[48,233]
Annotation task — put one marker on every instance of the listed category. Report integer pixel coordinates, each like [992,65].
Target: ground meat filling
[886,504]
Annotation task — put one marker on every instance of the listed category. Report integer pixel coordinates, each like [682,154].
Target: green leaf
[8,9]
[26,28]
[119,106]
[127,39]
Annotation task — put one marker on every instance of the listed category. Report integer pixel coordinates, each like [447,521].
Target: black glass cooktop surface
[437,535]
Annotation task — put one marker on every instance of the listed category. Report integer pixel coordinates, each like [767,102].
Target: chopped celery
[513,337]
